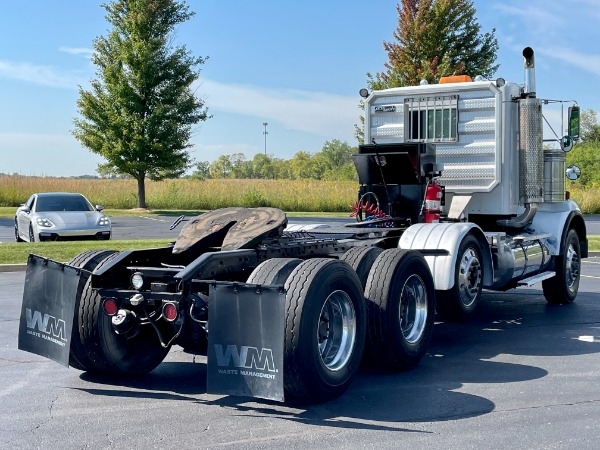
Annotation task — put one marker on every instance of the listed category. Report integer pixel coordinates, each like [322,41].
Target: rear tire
[562,288]
[274,271]
[361,260]
[78,357]
[107,351]
[460,302]
[401,303]
[324,329]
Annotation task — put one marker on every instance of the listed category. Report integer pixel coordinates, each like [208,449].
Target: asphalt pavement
[523,374]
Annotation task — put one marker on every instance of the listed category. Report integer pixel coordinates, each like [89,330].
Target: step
[536,278]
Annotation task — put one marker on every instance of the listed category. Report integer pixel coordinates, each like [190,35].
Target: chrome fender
[446,236]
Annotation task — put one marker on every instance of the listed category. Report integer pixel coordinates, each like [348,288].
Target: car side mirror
[99,207]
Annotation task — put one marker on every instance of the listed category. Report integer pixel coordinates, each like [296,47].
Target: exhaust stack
[529,65]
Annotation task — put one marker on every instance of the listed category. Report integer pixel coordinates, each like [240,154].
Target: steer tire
[562,288]
[361,260]
[108,352]
[273,271]
[460,302]
[400,299]
[324,330]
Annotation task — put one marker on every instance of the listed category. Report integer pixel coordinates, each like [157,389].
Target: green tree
[202,171]
[221,167]
[262,166]
[590,128]
[140,109]
[434,38]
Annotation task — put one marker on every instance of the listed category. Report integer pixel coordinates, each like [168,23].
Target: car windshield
[62,203]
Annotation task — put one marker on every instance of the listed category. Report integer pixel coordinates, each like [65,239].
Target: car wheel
[31,234]
[17,235]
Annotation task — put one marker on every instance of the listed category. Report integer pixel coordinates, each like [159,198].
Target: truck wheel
[562,288]
[361,260]
[107,351]
[273,271]
[324,329]
[461,301]
[88,260]
[400,303]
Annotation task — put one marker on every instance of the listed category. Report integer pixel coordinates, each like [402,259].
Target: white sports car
[54,216]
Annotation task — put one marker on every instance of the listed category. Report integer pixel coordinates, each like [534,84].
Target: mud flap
[245,340]
[49,297]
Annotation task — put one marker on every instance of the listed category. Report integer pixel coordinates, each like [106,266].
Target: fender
[556,219]
[446,236]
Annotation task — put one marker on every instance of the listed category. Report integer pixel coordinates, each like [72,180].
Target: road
[151,227]
[522,375]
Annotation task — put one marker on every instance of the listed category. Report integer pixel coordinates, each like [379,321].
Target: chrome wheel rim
[469,277]
[572,267]
[413,309]
[336,332]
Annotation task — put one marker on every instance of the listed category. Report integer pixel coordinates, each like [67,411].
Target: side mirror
[573,172]
[99,207]
[574,122]
[566,143]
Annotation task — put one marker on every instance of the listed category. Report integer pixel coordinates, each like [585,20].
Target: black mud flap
[245,340]
[49,297]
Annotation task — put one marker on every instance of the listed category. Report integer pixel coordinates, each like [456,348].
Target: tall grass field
[187,194]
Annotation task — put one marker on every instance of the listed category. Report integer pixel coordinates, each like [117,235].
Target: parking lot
[522,374]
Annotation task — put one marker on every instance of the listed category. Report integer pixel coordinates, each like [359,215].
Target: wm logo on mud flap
[46,324]
[245,358]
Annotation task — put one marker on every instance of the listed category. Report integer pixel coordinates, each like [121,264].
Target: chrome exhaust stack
[531,148]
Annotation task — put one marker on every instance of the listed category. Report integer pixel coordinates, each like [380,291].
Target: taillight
[170,311]
[110,306]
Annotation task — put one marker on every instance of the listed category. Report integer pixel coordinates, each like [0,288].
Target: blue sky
[296,65]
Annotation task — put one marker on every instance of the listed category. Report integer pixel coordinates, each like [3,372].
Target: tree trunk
[141,190]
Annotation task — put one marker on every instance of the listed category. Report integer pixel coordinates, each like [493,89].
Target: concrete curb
[22,267]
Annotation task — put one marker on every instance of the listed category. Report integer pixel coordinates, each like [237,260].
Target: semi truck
[458,193]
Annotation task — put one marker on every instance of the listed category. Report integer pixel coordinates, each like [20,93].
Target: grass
[17,253]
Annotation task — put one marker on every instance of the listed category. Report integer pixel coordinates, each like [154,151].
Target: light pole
[265,133]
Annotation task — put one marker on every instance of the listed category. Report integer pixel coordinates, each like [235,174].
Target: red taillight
[170,311]
[110,306]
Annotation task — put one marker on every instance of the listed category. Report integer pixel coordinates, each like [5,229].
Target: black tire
[324,330]
[17,236]
[31,234]
[562,288]
[361,260]
[109,352]
[274,271]
[78,357]
[460,302]
[400,303]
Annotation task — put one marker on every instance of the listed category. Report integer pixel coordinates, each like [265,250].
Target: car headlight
[43,222]
[104,221]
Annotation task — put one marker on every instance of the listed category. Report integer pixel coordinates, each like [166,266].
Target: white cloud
[56,154]
[312,112]
[588,62]
[41,75]
[86,52]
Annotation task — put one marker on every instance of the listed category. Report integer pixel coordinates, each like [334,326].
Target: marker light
[110,306]
[170,311]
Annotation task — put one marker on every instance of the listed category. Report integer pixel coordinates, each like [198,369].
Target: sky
[297,66]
